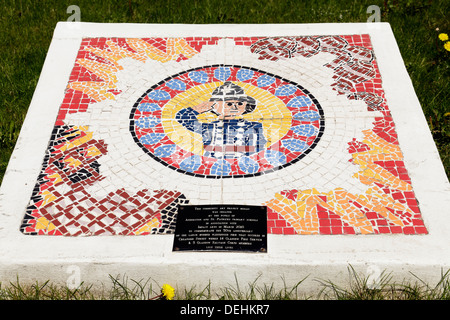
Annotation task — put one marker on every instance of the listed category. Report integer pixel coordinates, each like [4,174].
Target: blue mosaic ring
[223,121]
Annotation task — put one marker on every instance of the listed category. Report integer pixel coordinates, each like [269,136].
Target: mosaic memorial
[238,109]
[202,154]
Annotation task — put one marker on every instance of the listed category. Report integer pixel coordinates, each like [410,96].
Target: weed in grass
[255,292]
[123,288]
[192,294]
[423,291]
[138,290]
[358,287]
[44,291]
[268,292]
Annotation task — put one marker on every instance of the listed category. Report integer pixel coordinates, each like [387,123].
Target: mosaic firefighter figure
[230,136]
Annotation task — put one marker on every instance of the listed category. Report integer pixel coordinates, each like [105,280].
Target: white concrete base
[290,258]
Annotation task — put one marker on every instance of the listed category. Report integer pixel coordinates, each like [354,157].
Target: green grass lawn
[27,27]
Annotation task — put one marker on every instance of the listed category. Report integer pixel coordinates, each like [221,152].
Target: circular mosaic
[226,121]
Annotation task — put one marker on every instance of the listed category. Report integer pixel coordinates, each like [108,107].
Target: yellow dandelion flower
[447,46]
[443,36]
[168,292]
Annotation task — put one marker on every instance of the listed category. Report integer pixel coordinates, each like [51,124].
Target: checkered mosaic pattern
[298,124]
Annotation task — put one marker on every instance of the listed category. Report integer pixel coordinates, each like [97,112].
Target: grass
[27,28]
[359,287]
[123,288]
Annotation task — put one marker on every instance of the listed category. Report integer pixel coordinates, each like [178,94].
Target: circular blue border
[293,161]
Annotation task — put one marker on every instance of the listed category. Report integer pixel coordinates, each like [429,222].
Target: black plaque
[221,228]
